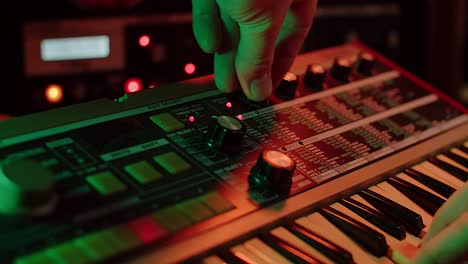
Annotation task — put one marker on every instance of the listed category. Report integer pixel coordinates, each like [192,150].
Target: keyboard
[347,162]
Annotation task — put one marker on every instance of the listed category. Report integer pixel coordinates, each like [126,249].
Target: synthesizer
[346,162]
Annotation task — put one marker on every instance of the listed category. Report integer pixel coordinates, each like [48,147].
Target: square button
[106,183]
[97,245]
[68,253]
[147,229]
[216,202]
[196,210]
[143,172]
[124,238]
[36,258]
[172,163]
[167,122]
[172,219]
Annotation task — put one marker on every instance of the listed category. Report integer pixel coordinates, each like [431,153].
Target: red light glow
[240,117]
[133,85]
[147,229]
[190,68]
[228,104]
[191,119]
[144,40]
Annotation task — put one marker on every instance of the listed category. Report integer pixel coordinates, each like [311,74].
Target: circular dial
[226,134]
[287,87]
[365,63]
[27,188]
[314,77]
[341,69]
[274,170]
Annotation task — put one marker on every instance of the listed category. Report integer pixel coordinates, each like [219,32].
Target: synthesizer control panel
[131,179]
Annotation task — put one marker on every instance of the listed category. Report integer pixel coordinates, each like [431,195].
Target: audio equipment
[346,162]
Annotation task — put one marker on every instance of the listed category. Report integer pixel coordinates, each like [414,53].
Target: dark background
[427,37]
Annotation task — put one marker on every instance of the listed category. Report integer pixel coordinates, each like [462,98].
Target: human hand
[447,239]
[255,41]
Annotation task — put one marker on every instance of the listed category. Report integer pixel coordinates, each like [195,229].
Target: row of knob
[315,75]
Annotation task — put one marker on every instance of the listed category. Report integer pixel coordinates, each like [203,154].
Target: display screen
[75,48]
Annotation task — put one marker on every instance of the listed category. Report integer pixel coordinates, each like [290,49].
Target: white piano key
[265,252]
[289,238]
[439,174]
[459,153]
[452,162]
[213,260]
[246,255]
[320,225]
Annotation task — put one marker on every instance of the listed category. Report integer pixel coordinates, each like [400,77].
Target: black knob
[27,188]
[314,77]
[226,134]
[274,170]
[341,69]
[365,63]
[287,87]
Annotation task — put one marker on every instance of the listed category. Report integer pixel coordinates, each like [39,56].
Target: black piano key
[284,249]
[428,201]
[463,148]
[324,246]
[435,185]
[231,258]
[377,218]
[411,220]
[457,158]
[455,171]
[373,241]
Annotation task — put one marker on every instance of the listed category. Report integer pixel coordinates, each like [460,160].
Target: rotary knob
[226,134]
[341,69]
[365,63]
[314,77]
[274,170]
[27,188]
[287,87]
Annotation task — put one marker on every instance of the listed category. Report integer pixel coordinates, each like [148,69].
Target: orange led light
[54,93]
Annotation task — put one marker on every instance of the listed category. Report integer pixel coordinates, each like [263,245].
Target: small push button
[106,183]
[167,122]
[143,172]
[216,202]
[172,163]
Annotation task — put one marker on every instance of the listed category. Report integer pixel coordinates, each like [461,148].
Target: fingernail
[260,88]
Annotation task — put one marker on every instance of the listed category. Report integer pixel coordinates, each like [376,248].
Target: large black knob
[274,170]
[365,63]
[226,134]
[341,69]
[287,87]
[26,188]
[314,77]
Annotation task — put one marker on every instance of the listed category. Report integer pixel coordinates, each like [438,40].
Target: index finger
[455,206]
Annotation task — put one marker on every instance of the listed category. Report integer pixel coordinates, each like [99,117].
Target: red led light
[144,40]
[190,68]
[228,104]
[147,229]
[240,117]
[191,119]
[133,85]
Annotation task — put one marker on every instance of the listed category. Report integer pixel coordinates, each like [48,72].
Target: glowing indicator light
[54,93]
[144,40]
[191,119]
[152,85]
[190,68]
[228,104]
[240,117]
[133,85]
